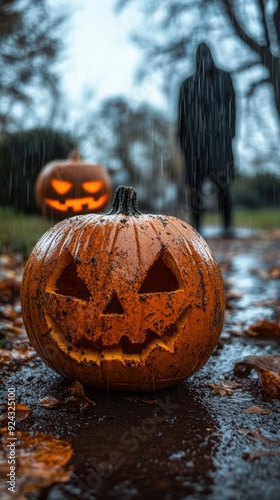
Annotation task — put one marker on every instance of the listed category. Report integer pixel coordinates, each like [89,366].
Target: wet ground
[191,441]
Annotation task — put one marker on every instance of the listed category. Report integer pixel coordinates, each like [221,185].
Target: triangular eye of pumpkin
[114,306]
[61,187]
[93,186]
[160,278]
[70,284]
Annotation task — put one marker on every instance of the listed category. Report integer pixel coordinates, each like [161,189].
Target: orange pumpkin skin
[123,300]
[70,187]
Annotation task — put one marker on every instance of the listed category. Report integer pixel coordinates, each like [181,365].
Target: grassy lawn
[258,218]
[20,232]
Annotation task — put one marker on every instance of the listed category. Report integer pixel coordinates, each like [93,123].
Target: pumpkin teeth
[77,204]
[86,355]
[158,343]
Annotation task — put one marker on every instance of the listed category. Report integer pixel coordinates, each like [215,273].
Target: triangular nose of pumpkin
[114,306]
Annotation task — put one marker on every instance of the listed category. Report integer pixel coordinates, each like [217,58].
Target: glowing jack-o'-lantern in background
[72,187]
[123,300]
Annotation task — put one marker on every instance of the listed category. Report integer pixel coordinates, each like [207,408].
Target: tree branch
[264,21]
[254,85]
[229,12]
[276,18]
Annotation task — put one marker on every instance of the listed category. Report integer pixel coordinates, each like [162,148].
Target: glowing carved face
[65,189]
[109,329]
[77,204]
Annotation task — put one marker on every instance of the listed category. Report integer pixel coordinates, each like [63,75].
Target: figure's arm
[182,119]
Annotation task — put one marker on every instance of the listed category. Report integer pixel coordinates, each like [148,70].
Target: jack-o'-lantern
[123,300]
[72,187]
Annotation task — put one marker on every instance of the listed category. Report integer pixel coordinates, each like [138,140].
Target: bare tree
[30,43]
[267,48]
[177,23]
[245,35]
[133,143]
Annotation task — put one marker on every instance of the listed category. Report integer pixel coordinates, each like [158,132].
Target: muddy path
[215,436]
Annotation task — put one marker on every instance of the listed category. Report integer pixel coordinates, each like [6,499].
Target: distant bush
[22,155]
[259,191]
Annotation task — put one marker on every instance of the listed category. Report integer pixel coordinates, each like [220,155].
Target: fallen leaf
[140,400]
[268,369]
[41,461]
[78,403]
[223,387]
[21,412]
[17,355]
[78,399]
[78,396]
[8,311]
[258,410]
[236,332]
[49,402]
[264,327]
[233,294]
[267,303]
[256,435]
[274,273]
[256,454]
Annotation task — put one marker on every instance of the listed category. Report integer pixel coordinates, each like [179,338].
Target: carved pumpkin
[71,187]
[123,300]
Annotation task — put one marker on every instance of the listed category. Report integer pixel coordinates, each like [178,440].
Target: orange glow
[93,186]
[77,204]
[61,187]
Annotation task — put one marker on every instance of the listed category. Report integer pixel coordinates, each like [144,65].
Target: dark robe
[206,122]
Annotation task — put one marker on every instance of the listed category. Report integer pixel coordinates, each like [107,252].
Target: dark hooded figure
[206,127]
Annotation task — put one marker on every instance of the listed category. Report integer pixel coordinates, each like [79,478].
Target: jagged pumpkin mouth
[85,350]
[78,204]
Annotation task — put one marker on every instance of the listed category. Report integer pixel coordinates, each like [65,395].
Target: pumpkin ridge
[174,224]
[74,240]
[151,221]
[112,232]
[27,296]
[138,245]
[113,238]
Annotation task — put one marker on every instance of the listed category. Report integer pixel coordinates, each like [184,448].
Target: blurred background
[104,78]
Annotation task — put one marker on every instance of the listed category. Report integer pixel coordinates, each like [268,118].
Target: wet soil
[184,442]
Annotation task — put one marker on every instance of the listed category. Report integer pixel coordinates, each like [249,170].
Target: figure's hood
[204,59]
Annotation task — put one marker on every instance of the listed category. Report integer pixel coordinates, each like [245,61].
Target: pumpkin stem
[125,202]
[74,155]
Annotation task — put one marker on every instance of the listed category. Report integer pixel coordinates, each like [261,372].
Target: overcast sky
[100,57]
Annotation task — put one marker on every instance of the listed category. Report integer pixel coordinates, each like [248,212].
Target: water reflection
[164,445]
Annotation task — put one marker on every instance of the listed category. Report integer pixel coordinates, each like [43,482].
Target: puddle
[238,232]
[254,289]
